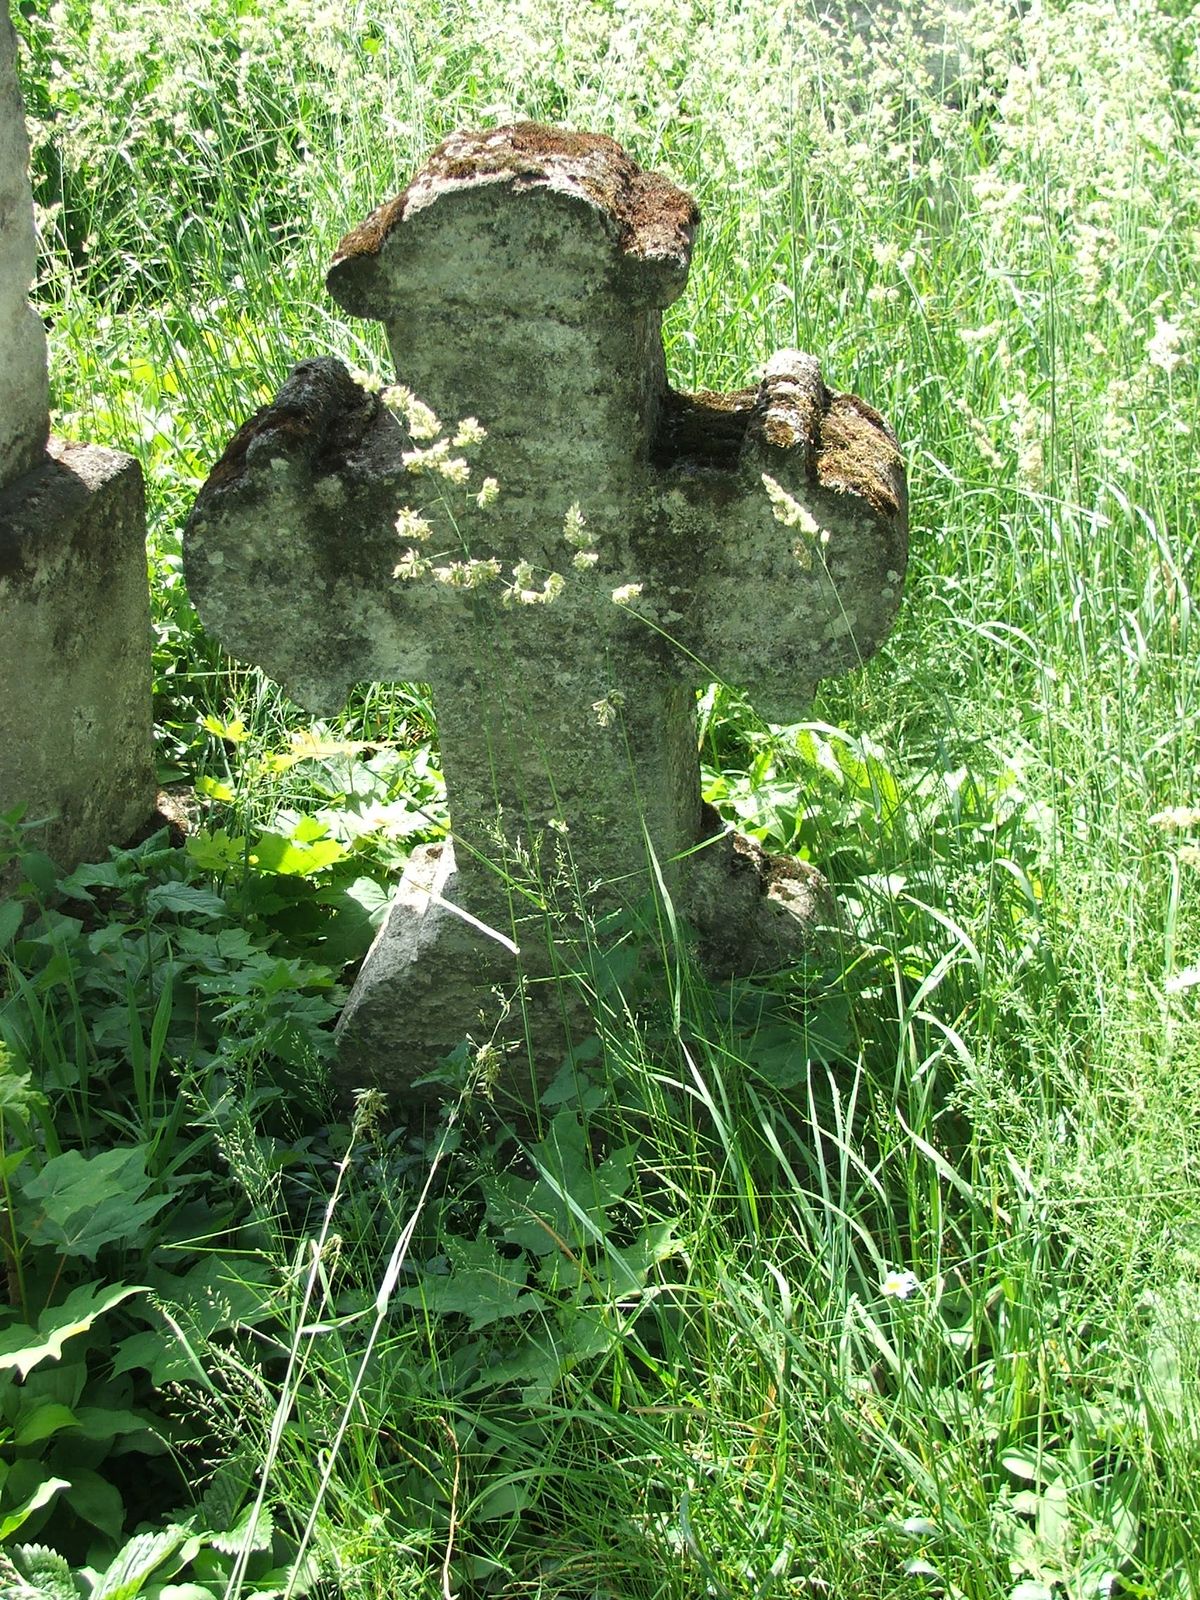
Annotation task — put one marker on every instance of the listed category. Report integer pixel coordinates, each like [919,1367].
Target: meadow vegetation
[880,1279]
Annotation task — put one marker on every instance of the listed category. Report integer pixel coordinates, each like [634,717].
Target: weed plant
[873,1280]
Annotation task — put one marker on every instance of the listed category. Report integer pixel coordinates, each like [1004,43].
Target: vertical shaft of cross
[523,766]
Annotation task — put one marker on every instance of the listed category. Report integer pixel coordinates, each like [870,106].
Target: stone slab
[76,731]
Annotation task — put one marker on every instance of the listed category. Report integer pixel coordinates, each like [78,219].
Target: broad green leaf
[159,1353]
[94,875]
[1026,1464]
[183,899]
[43,1422]
[918,1567]
[482,1285]
[506,1500]
[90,1201]
[273,853]
[109,1422]
[1054,1519]
[311,745]
[18,1096]
[215,1294]
[216,851]
[358,910]
[96,1500]
[629,1269]
[223,1498]
[10,1162]
[1163,1382]
[308,830]
[13,1520]
[181,1591]
[298,1579]
[12,914]
[132,1565]
[37,868]
[214,789]
[21,1348]
[234,732]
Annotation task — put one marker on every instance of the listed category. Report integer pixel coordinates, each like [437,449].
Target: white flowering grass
[1007,267]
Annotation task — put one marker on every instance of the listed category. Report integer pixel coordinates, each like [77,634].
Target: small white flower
[786,509]
[468,574]
[574,531]
[974,337]
[606,708]
[437,459]
[583,559]
[1176,818]
[522,591]
[626,593]
[410,565]
[489,491]
[421,422]
[1162,348]
[411,525]
[470,431]
[900,1285]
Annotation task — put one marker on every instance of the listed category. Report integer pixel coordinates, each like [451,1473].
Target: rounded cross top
[464,229]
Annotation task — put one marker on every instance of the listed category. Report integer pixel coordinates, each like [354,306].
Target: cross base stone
[435,977]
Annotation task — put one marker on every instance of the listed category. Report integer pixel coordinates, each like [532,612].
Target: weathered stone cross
[641,542]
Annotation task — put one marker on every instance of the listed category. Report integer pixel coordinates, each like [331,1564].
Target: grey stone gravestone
[641,542]
[76,745]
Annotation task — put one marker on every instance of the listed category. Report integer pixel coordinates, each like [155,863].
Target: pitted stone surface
[758,536]
[24,387]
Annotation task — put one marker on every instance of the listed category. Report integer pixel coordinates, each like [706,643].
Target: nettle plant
[148,1048]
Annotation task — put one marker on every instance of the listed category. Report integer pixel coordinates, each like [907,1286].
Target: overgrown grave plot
[1062,479]
[562,623]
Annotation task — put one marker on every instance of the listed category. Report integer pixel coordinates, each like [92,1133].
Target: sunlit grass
[694,1380]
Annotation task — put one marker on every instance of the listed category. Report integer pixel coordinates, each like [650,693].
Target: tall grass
[879,1279]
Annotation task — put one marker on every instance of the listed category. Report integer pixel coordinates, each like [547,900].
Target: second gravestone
[616,545]
[76,734]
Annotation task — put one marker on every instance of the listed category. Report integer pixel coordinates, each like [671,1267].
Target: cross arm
[290,548]
[778,531]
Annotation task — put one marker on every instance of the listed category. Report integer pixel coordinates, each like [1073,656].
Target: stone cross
[640,542]
[76,736]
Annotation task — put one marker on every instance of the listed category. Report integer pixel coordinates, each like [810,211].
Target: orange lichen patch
[858,452]
[367,238]
[653,217]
